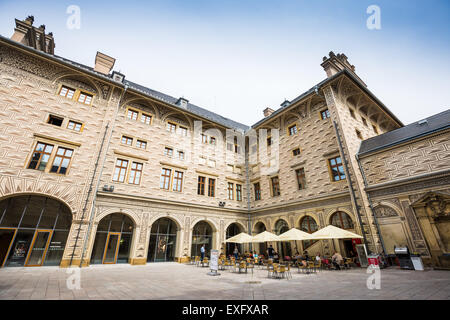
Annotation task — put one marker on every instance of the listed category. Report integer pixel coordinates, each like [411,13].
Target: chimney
[103,63]
[26,34]
[182,102]
[268,112]
[336,63]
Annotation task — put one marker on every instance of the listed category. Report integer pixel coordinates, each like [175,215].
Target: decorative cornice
[129,155]
[43,136]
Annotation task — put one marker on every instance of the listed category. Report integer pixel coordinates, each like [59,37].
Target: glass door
[39,246]
[6,238]
[112,247]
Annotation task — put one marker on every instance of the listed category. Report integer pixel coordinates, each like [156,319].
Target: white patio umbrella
[295,234]
[240,238]
[265,236]
[332,232]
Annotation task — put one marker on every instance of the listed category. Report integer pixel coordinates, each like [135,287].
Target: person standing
[202,252]
[270,252]
[236,253]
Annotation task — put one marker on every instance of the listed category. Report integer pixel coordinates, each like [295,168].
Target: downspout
[371,206]
[91,219]
[247,182]
[350,182]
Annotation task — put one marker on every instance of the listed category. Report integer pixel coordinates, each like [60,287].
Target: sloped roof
[437,122]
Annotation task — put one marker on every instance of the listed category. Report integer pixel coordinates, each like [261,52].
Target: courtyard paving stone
[178,281]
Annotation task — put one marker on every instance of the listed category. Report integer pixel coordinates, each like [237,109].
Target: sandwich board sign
[214,263]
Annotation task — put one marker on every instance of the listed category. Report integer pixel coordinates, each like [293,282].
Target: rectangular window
[257,188]
[230,191]
[177,181]
[75,126]
[201,186]
[61,161]
[120,170]
[40,157]
[212,140]
[165,179]
[127,140]
[269,141]
[301,178]
[85,98]
[168,152]
[181,155]
[66,92]
[145,118]
[337,169]
[296,152]
[183,131]
[141,144]
[204,138]
[292,130]
[132,115]
[275,187]
[171,127]
[325,114]
[238,192]
[211,187]
[54,120]
[135,173]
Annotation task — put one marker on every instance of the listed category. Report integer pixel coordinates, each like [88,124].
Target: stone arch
[256,222]
[213,225]
[143,102]
[132,215]
[241,225]
[278,220]
[346,211]
[178,114]
[175,219]
[12,195]
[390,205]
[79,78]
[301,216]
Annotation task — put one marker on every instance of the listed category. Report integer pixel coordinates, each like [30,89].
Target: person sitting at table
[337,259]
[318,257]
[276,257]
[255,255]
[305,255]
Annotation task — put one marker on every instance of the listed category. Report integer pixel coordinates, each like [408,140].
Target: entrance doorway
[163,239]
[262,246]
[33,231]
[113,240]
[233,230]
[202,234]
[284,247]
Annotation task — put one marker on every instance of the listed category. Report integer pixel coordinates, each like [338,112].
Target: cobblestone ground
[178,281]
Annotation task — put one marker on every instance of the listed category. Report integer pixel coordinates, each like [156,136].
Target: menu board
[362,255]
[214,261]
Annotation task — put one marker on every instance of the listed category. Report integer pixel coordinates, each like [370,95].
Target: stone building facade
[139,176]
[407,177]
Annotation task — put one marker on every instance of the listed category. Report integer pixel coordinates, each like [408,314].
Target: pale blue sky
[238,57]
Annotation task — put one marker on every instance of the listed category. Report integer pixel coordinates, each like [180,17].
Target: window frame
[167,178]
[327,114]
[201,184]
[63,157]
[337,165]
[212,187]
[290,133]
[50,160]
[300,175]
[238,192]
[120,170]
[75,123]
[177,181]
[257,191]
[135,170]
[230,191]
[277,188]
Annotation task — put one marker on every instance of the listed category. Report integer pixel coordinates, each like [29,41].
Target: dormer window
[67,92]
[85,98]
[292,130]
[171,127]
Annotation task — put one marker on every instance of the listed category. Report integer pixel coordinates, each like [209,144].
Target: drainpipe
[91,219]
[247,182]
[344,161]
[371,206]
